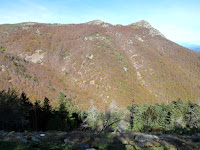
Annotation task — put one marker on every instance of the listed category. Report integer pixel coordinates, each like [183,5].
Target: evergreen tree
[37,112]
[148,117]
[46,105]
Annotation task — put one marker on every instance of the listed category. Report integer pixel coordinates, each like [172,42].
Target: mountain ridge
[92,22]
[97,63]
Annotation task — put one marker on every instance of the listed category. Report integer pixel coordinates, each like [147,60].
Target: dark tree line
[18,113]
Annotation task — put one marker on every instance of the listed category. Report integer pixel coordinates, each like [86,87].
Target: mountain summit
[145,24]
[97,64]
[96,22]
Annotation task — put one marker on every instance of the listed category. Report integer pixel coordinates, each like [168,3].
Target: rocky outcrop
[82,140]
[152,31]
[36,57]
[146,137]
[98,22]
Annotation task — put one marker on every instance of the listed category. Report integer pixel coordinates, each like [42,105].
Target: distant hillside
[97,63]
[194,47]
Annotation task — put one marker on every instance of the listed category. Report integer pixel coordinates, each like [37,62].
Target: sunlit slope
[97,63]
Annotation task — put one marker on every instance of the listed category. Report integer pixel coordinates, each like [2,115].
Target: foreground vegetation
[18,113]
[111,129]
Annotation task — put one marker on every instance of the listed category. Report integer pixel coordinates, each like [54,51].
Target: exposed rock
[130,42]
[36,57]
[68,142]
[146,137]
[98,22]
[123,140]
[34,139]
[144,24]
[12,138]
[139,38]
[148,144]
[2,133]
[81,139]
[28,23]
[38,32]
[11,133]
[97,37]
[23,140]
[90,56]
[131,142]
[125,69]
[95,22]
[2,68]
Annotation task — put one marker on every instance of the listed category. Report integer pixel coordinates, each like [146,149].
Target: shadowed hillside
[97,63]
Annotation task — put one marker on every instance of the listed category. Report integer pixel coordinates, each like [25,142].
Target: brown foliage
[99,64]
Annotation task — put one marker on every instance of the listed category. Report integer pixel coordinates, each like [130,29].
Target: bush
[101,121]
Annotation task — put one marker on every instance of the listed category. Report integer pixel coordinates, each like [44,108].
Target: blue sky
[178,20]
